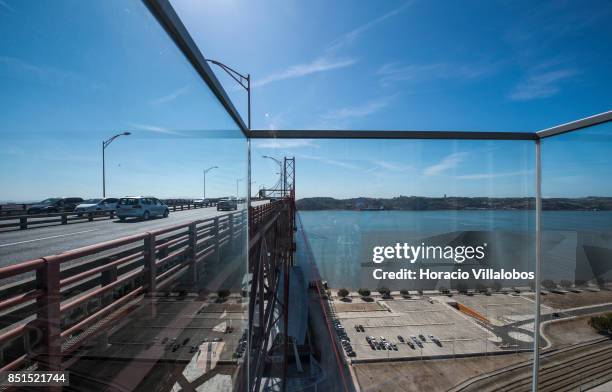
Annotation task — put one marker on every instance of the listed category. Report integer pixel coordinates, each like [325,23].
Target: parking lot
[456,332]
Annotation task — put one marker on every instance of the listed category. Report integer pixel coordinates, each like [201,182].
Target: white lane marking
[48,238]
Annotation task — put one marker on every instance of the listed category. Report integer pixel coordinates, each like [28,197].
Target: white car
[143,207]
[97,205]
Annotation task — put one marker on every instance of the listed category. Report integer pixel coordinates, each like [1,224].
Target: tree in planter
[549,284]
[444,290]
[462,287]
[223,294]
[497,286]
[565,283]
[384,292]
[343,293]
[602,323]
[364,292]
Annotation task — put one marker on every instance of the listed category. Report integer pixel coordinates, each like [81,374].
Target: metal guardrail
[27,221]
[24,222]
[21,209]
[13,209]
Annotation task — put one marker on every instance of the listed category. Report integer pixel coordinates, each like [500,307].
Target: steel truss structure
[271,249]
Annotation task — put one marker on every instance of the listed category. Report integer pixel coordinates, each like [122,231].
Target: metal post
[193,242]
[48,313]
[248,197]
[286,326]
[248,79]
[150,268]
[538,267]
[106,143]
[216,240]
[103,171]
[204,190]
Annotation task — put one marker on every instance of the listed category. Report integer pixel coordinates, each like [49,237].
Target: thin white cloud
[153,128]
[358,111]
[352,35]
[489,176]
[4,4]
[392,73]
[170,97]
[44,74]
[321,64]
[286,144]
[391,166]
[449,162]
[328,61]
[541,84]
[328,161]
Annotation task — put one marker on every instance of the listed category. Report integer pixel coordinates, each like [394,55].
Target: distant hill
[418,203]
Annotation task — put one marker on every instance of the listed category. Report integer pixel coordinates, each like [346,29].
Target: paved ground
[501,309]
[574,300]
[432,375]
[457,333]
[570,331]
[22,245]
[444,374]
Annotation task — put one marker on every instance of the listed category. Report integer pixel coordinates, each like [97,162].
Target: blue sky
[435,65]
[69,82]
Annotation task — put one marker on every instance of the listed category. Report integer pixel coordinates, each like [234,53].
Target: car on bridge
[143,207]
[97,205]
[55,204]
[227,205]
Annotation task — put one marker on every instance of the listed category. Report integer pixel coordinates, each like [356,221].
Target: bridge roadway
[22,245]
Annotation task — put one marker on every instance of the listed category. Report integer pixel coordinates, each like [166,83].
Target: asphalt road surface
[22,245]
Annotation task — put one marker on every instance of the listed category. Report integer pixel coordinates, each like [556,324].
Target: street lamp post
[204,190]
[105,144]
[280,166]
[242,80]
[237,182]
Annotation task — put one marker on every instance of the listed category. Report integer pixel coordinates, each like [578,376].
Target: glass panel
[153,297]
[454,221]
[577,259]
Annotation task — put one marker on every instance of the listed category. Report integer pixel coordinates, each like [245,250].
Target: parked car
[143,207]
[416,341]
[227,205]
[435,340]
[55,204]
[97,205]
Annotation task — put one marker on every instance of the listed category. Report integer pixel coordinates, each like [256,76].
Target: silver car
[97,205]
[143,207]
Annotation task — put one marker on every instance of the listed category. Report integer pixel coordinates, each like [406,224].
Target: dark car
[55,204]
[227,205]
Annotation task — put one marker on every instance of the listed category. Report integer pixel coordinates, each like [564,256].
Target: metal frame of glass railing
[169,20]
